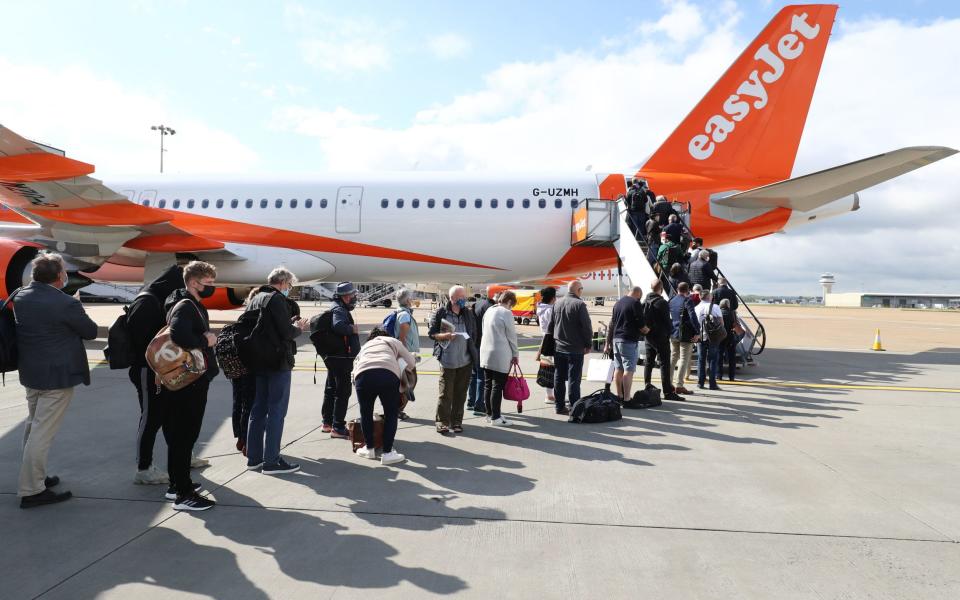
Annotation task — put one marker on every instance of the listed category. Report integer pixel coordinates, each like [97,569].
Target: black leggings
[152,414]
[181,428]
[493,383]
[384,384]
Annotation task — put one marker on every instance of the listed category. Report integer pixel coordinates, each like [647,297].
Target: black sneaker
[52,481]
[196,502]
[715,388]
[280,468]
[563,411]
[172,491]
[44,497]
[675,397]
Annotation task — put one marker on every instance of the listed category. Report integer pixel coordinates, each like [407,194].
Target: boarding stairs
[378,294]
[598,222]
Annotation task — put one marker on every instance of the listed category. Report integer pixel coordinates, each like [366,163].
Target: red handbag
[516,388]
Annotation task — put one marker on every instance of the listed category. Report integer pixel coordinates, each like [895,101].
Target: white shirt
[703,308]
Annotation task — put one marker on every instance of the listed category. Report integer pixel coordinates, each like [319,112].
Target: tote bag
[516,388]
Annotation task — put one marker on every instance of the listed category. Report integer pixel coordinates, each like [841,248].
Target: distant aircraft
[730,160]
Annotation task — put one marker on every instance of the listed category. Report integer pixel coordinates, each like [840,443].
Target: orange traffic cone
[877,346]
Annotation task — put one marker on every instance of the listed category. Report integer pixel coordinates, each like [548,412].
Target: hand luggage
[516,388]
[175,367]
[356,433]
[600,370]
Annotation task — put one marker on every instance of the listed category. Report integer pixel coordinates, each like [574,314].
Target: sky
[278,88]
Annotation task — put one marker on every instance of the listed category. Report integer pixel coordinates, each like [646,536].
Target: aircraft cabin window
[573,203]
[463,202]
[509,202]
[190,203]
[293,203]
[542,203]
[263,203]
[248,203]
[446,202]
[176,204]
[415,203]
[220,203]
[143,202]
[278,203]
[526,203]
[234,203]
[431,203]
[558,203]
[400,203]
[206,204]
[384,203]
[478,203]
[493,203]
[309,203]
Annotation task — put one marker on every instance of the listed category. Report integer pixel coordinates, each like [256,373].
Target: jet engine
[15,257]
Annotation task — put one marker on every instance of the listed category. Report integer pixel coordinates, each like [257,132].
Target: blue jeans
[266,417]
[475,391]
[707,353]
[569,370]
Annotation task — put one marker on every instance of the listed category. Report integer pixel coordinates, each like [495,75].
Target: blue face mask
[285,292]
[462,302]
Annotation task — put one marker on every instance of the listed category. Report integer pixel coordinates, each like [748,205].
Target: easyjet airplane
[730,159]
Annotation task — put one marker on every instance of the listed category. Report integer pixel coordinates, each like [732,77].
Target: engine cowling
[226,298]
[15,257]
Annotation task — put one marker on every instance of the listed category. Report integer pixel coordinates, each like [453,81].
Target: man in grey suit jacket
[51,327]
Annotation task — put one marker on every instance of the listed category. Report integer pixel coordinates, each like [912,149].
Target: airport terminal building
[876,299]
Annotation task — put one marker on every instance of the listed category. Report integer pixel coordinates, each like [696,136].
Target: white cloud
[92,117]
[448,46]
[340,54]
[613,109]
[338,44]
[318,123]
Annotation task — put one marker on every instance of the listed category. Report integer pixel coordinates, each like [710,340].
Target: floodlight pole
[164,131]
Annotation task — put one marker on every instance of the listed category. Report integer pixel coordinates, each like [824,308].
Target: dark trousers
[336,391]
[476,389]
[569,370]
[728,354]
[707,355]
[267,417]
[244,392]
[493,391]
[181,428]
[383,384]
[152,414]
[658,347]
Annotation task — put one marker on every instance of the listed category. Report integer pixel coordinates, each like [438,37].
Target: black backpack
[325,341]
[713,329]
[645,398]
[229,344]
[260,348]
[119,350]
[9,357]
[599,407]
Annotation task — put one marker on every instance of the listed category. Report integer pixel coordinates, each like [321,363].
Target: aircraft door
[348,209]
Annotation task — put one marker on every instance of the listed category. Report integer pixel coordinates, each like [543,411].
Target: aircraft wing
[818,189]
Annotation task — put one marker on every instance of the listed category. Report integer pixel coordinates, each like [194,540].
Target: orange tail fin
[749,124]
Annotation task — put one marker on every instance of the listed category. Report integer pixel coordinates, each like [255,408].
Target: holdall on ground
[356,433]
[175,368]
[599,407]
[9,357]
[546,375]
[516,387]
[646,398]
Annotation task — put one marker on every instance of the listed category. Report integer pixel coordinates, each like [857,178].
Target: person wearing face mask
[265,428]
[189,329]
[336,392]
[453,330]
[51,327]
[498,353]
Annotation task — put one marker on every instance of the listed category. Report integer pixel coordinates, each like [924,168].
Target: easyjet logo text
[753,91]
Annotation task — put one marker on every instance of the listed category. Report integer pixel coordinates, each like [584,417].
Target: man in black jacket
[336,391]
[51,327]
[572,332]
[725,292]
[476,379]
[145,317]
[623,339]
[265,429]
[657,313]
[189,329]
[701,271]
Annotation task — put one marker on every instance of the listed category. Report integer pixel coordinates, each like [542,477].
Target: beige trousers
[46,409]
[682,352]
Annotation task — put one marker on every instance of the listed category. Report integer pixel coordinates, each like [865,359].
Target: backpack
[713,328]
[9,357]
[325,341]
[669,253]
[119,350]
[390,324]
[598,407]
[229,344]
[645,398]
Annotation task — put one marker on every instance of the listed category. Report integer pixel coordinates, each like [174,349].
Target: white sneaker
[391,458]
[365,452]
[151,476]
[501,422]
[198,463]
[550,401]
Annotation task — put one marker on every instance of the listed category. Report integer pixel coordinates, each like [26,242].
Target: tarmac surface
[829,471]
